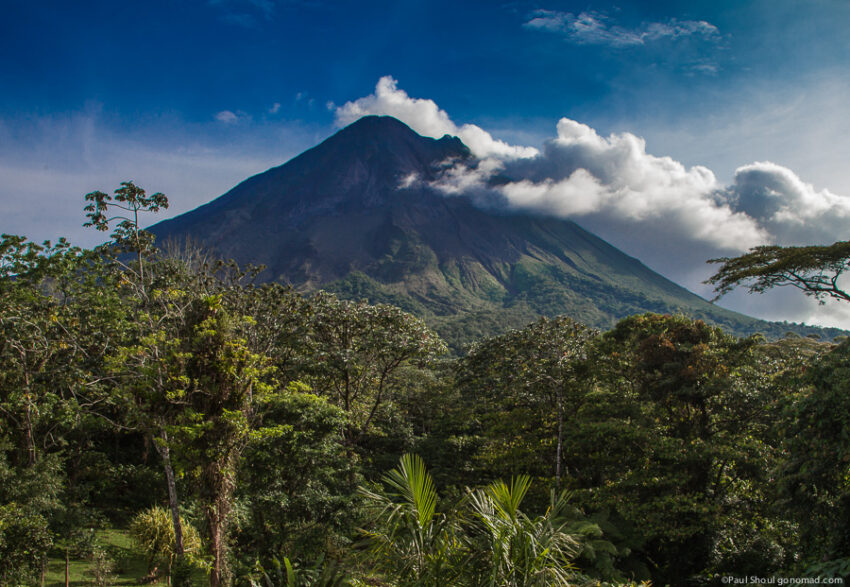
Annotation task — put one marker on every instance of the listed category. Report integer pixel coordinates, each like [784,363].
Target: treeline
[275,439]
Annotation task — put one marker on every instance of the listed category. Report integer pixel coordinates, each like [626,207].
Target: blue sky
[693,129]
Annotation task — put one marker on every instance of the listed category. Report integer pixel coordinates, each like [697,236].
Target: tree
[815,476]
[224,383]
[677,443]
[355,354]
[815,270]
[128,235]
[24,542]
[39,352]
[152,318]
[293,485]
[525,384]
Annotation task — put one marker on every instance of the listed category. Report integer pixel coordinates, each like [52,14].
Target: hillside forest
[243,434]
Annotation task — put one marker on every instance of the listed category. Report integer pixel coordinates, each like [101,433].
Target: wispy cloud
[594,28]
[230,117]
[244,13]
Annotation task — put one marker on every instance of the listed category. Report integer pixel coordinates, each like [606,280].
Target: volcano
[356,215]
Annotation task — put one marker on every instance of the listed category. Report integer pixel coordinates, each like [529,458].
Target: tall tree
[223,383]
[153,316]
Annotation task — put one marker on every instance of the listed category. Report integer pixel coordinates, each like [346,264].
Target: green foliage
[153,533]
[321,573]
[523,386]
[516,549]
[356,352]
[695,453]
[293,482]
[410,541]
[24,542]
[488,541]
[128,234]
[816,475]
[684,415]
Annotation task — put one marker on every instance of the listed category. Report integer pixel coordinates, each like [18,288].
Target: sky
[678,131]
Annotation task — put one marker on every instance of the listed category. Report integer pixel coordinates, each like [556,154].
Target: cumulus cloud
[594,28]
[426,118]
[669,216]
[789,208]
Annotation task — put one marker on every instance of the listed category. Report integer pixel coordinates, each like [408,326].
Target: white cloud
[593,28]
[424,117]
[789,208]
[580,174]
[227,117]
[275,108]
[672,216]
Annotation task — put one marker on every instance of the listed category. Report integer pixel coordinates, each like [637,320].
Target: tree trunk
[560,444]
[217,525]
[217,512]
[173,502]
[216,547]
[67,568]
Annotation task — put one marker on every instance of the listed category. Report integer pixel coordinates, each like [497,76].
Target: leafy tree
[356,352]
[149,409]
[815,478]
[128,235]
[196,385]
[38,350]
[815,270]
[676,441]
[525,385]
[292,483]
[56,321]
[24,541]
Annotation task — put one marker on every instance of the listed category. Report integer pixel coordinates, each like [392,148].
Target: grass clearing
[130,566]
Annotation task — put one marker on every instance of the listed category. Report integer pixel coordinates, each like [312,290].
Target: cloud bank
[670,216]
